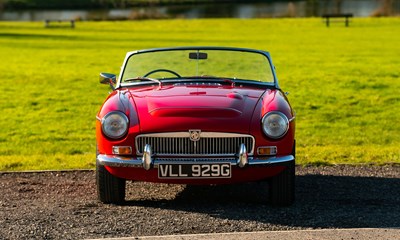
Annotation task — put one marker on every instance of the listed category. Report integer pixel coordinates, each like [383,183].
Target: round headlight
[275,124]
[115,125]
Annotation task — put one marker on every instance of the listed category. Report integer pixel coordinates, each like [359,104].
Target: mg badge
[194,135]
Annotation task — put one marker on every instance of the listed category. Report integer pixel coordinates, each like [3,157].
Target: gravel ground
[63,205]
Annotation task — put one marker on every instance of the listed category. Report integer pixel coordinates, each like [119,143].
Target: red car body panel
[224,109]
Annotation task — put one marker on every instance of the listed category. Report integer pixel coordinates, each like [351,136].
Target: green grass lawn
[344,83]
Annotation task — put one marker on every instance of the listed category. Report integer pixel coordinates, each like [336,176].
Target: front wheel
[110,189]
[282,187]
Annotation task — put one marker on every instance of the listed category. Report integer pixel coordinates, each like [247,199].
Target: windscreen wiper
[135,79]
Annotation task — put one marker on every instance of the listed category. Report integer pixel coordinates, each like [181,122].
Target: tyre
[110,189]
[282,186]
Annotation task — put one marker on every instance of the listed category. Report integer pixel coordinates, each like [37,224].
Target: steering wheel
[162,70]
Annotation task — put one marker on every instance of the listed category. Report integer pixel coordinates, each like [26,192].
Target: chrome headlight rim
[124,120]
[284,118]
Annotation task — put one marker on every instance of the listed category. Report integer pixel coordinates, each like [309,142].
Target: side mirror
[108,78]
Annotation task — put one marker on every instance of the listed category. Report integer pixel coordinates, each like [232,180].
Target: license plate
[176,171]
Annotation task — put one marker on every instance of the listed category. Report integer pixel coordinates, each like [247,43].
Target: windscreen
[189,64]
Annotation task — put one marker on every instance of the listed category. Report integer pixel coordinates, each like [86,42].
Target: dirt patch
[64,205]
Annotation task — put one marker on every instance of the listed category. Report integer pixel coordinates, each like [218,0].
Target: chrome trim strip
[203,134]
[194,160]
[119,161]
[294,116]
[193,155]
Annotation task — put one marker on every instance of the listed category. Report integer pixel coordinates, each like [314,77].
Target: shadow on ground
[321,202]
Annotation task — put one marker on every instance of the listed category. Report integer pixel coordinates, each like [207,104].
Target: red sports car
[195,115]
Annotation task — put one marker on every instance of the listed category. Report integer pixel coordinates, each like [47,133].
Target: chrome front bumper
[148,161]
[119,161]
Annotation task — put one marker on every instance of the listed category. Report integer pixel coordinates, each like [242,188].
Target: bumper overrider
[148,161]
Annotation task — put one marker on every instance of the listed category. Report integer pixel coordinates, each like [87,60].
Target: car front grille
[210,144]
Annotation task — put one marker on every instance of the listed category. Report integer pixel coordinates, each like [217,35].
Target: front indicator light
[122,150]
[267,151]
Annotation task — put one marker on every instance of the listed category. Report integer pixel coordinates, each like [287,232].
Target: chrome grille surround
[210,144]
